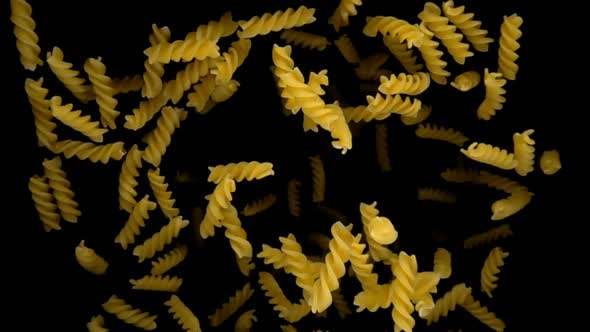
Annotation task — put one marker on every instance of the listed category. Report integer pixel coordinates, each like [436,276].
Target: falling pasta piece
[550,162]
[89,260]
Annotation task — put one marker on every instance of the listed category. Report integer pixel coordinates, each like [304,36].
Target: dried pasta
[441,134]
[363,271]
[43,119]
[491,155]
[68,76]
[466,81]
[96,324]
[233,304]
[162,194]
[319,179]
[136,220]
[152,77]
[422,114]
[27,41]
[235,233]
[510,33]
[507,207]
[405,272]
[127,178]
[241,171]
[245,321]
[385,106]
[413,84]
[403,54]
[347,49]
[493,234]
[116,306]
[296,263]
[470,28]
[436,195]
[44,203]
[494,99]
[491,267]
[293,197]
[382,148]
[305,39]
[482,314]
[345,9]
[90,260]
[62,192]
[259,205]
[157,283]
[291,312]
[75,120]
[279,20]
[102,86]
[524,152]
[127,84]
[394,27]
[157,242]
[219,201]
[86,150]
[550,162]
[432,56]
[229,61]
[159,139]
[376,250]
[181,313]
[169,260]
[340,304]
[448,302]
[442,263]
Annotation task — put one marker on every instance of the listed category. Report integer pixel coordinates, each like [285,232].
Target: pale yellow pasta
[493,234]
[136,220]
[291,312]
[393,104]
[466,81]
[347,49]
[296,263]
[293,197]
[90,260]
[382,231]
[305,39]
[436,195]
[318,178]
[442,263]
[362,267]
[201,94]
[405,272]
[169,260]
[162,194]
[160,239]
[62,192]
[245,265]
[259,205]
[494,99]
[219,202]
[376,250]
[483,314]
[510,33]
[373,298]
[27,41]
[279,20]
[441,133]
[86,150]
[403,54]
[127,84]
[231,306]
[126,313]
[460,175]
[96,324]
[448,302]
[524,152]
[75,120]
[159,139]
[425,284]
[340,130]
[68,76]
[550,162]
[394,27]
[245,321]
[228,62]
[223,92]
[382,148]
[422,114]
[491,155]
[157,283]
[498,182]
[468,26]
[235,233]
[509,206]
[345,9]
[127,178]
[491,267]
[183,315]
[152,77]
[432,56]
[103,90]
[44,125]
[244,170]
[44,203]
[413,84]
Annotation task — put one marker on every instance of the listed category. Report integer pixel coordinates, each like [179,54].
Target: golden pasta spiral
[231,306]
[493,234]
[195,70]
[376,250]
[44,125]
[75,120]
[459,175]
[157,283]
[345,9]
[450,135]
[96,324]
[183,50]
[423,114]
[550,162]
[170,260]
[491,267]
[382,148]
[157,242]
[393,104]
[102,86]
[305,39]
[127,179]
[347,49]
[482,314]
[244,322]
[237,236]
[227,64]
[277,21]
[374,298]
[413,84]
[403,289]
[245,265]
[509,206]
[510,33]
[448,302]
[494,95]
[244,170]
[136,220]
[27,41]
[466,81]
[273,256]
[159,139]
[152,77]
[524,152]
[498,182]
[219,201]
[68,76]
[491,155]
[425,283]
[363,269]
[382,231]
[259,205]
[293,197]
[126,313]
[127,84]
[468,26]
[201,94]
[298,265]
[432,56]
[319,179]
[90,260]
[44,203]
[87,150]
[162,194]
[185,317]
[404,55]
[395,28]
[63,194]
[288,311]
[224,92]
[442,263]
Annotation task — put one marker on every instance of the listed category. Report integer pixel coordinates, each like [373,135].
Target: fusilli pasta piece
[405,272]
[362,268]
[373,298]
[296,263]
[76,121]
[550,162]
[259,205]
[169,260]
[482,314]
[468,26]
[183,50]
[393,104]
[441,134]
[127,84]
[152,77]
[136,220]
[382,148]
[226,65]
[86,150]
[219,201]
[27,41]
[448,302]
[507,207]
[432,56]
[162,194]
[395,28]
[319,179]
[422,114]
[413,84]
[68,76]
[305,39]
[436,195]
[102,86]
[96,324]
[199,98]
[498,182]
[466,81]
[231,306]
[181,313]
[244,170]
[245,265]
[524,152]
[491,267]
[347,49]
[288,311]
[245,321]
[377,251]
[126,313]
[90,260]
[442,263]
[237,236]
[159,139]
[510,33]
[223,92]
[63,194]
[425,284]
[494,98]
[290,18]
[157,283]
[404,55]
[293,197]
[382,231]
[491,155]
[127,179]
[341,15]
[157,242]
[493,234]
[44,203]
[44,125]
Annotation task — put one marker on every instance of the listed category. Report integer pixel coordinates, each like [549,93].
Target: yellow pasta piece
[405,272]
[394,27]
[507,207]
[319,179]
[482,314]
[152,77]
[127,84]
[373,298]
[468,26]
[460,175]
[126,313]
[494,95]
[159,139]
[219,202]
[162,194]
[245,321]
[524,152]
[491,267]
[382,148]
[493,234]
[404,55]
[413,84]
[244,170]
[442,263]
[68,76]
[231,306]
[425,284]
[376,250]
[226,65]
[235,233]
[102,86]
[510,33]
[550,162]
[291,312]
[279,20]
[76,121]
[448,302]
[466,81]
[345,9]
[62,192]
[127,179]
[169,260]
[363,269]
[498,182]
[347,49]
[382,231]
[157,283]
[491,155]
[136,220]
[44,203]
[441,134]
[393,104]
[245,265]
[259,205]
[181,313]
[432,56]
[223,92]
[436,195]
[86,150]
[42,116]
[305,39]
[157,242]
[90,260]
[96,324]
[422,114]
[27,41]
[293,197]
[199,98]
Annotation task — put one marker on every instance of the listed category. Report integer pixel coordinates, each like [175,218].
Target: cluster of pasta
[358,244]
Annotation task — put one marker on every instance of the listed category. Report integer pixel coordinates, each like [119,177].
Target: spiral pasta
[436,195]
[296,263]
[159,139]
[245,265]
[498,182]
[201,94]
[259,205]
[382,148]
[510,33]
[341,15]
[224,92]
[374,298]
[125,312]
[469,27]
[290,18]
[466,81]
[162,194]
[422,114]
[450,135]
[44,203]
[550,162]
[491,155]
[44,125]
[68,76]
[157,242]
[482,314]
[293,199]
[442,263]
[491,267]
[183,315]
[493,234]
[136,220]
[27,41]
[524,152]
[382,231]
[152,77]
[393,104]
[319,179]
[62,192]
[291,312]
[169,260]
[183,50]
[219,202]
[90,260]
[448,302]
[86,150]
[404,55]
[509,206]
[395,28]
[102,86]
[347,49]
[432,56]
[231,306]
[76,121]
[96,324]
[237,236]
[362,268]
[494,98]
[413,84]
[126,84]
[127,179]
[305,39]
[245,321]
[425,284]
[157,283]
[226,65]
[376,250]
[244,170]
[403,289]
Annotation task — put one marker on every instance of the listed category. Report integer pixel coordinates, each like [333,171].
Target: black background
[251,126]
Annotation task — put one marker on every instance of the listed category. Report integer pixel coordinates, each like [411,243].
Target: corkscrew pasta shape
[76,121]
[102,86]
[319,179]
[157,283]
[483,314]
[125,312]
[442,263]
[432,56]
[345,9]
[245,321]
[524,152]
[96,324]
[466,81]
[494,99]
[62,192]
[219,201]
[42,116]
[510,33]
[291,312]
[162,194]
[233,304]
[385,106]
[432,131]
[169,260]
[183,315]
[293,197]
[448,302]
[27,41]
[68,76]
[395,28]
[159,139]
[491,267]
[488,236]
[44,203]
[152,77]
[136,220]
[85,150]
[160,239]
[470,28]
[436,195]
[127,178]
[279,20]
[422,114]
[403,54]
[237,236]
[347,49]
[550,162]
[413,84]
[405,272]
[259,205]
[90,260]
[507,207]
[491,155]
[229,62]
[305,39]
[376,250]
[244,170]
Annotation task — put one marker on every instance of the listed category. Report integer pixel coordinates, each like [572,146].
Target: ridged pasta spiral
[157,283]
[340,130]
[125,312]
[504,208]
[279,20]
[382,148]
[493,234]
[333,268]
[68,76]
[305,39]
[219,202]
[377,251]
[432,56]
[152,77]
[231,306]
[483,314]
[404,55]
[259,205]
[162,194]
[183,315]
[448,302]
[442,263]
[136,220]
[62,192]
[224,92]
[293,199]
[363,269]
[318,179]
[245,265]
[44,203]
[44,125]
[510,33]
[413,84]
[245,321]
[183,50]
[201,94]
[75,120]
[393,104]
[345,9]
[374,298]
[491,267]
[423,114]
[491,155]
[169,260]
[126,84]
[159,139]
[441,133]
[298,265]
[466,81]
[494,98]
[103,90]
[244,170]
[87,150]
[237,236]
[127,179]
[90,260]
[194,71]
[157,242]
[468,26]
[524,152]
[27,41]
[96,324]
[432,18]
[395,28]
[498,182]
[425,284]
[550,162]
[347,49]
[226,65]
[459,175]
[403,289]
[290,312]
[382,231]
